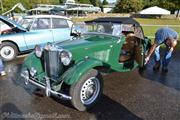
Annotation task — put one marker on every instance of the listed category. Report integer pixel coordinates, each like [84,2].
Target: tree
[105,2]
[171,5]
[83,1]
[28,4]
[60,1]
[8,4]
[175,5]
[94,2]
[167,5]
[150,3]
[126,6]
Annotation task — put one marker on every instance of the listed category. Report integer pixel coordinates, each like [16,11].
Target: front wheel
[87,91]
[8,51]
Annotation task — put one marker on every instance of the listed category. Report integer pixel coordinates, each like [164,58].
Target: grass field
[159,21]
[150,30]
[151,25]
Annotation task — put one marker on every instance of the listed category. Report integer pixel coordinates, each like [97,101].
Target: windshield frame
[84,30]
[105,28]
[125,28]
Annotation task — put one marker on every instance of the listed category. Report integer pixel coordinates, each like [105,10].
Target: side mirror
[77,30]
[75,33]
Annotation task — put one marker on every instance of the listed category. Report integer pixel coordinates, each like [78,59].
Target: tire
[79,90]
[8,51]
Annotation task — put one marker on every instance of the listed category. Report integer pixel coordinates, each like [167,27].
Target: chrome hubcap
[90,91]
[7,52]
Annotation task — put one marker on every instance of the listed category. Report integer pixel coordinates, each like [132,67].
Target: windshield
[113,29]
[26,22]
[101,28]
[105,28]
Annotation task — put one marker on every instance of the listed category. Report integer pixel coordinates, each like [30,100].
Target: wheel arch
[73,74]
[10,41]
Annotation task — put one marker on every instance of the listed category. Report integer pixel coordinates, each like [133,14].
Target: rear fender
[73,74]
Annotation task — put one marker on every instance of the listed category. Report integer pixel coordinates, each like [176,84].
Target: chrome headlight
[66,57]
[33,72]
[25,75]
[38,51]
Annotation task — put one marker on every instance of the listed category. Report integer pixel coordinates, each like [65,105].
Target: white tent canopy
[155,11]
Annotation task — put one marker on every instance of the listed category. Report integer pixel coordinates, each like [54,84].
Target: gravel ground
[132,95]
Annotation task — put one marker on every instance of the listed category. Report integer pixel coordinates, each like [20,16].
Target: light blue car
[31,30]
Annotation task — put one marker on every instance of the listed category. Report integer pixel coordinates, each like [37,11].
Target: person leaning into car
[165,36]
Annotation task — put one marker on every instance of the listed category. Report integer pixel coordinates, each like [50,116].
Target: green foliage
[83,1]
[105,2]
[94,2]
[8,4]
[176,3]
[171,5]
[59,2]
[28,4]
[126,6]
[150,3]
[168,5]
[122,6]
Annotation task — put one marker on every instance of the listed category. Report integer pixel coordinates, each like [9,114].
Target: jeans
[166,59]
[1,66]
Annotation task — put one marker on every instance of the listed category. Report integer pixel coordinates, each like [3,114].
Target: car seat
[127,51]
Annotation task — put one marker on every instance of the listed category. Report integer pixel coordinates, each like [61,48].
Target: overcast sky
[111,1]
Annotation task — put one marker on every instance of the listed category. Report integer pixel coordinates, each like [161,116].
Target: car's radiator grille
[52,64]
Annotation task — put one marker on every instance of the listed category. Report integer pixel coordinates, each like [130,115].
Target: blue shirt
[164,33]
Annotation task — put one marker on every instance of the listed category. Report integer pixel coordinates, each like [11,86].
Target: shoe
[3,73]
[156,66]
[164,70]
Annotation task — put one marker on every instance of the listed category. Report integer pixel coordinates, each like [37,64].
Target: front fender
[32,61]
[73,74]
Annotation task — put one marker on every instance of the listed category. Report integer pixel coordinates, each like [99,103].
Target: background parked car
[32,30]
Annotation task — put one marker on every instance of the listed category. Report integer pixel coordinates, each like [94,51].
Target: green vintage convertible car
[73,69]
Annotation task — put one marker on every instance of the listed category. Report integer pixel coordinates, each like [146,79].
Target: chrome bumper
[47,87]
